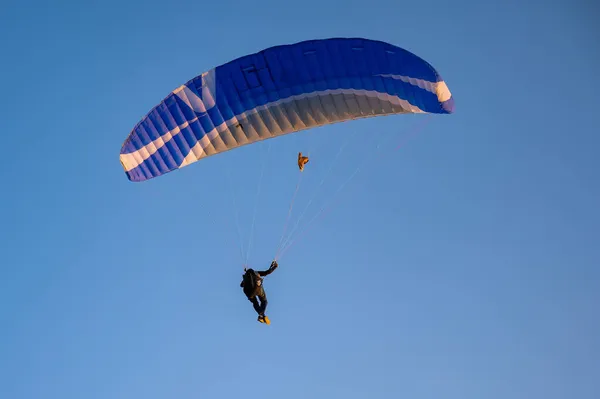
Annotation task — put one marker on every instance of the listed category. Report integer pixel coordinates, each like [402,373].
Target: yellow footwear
[261,319]
[266,320]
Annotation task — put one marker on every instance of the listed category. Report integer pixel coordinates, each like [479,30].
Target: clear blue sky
[465,265]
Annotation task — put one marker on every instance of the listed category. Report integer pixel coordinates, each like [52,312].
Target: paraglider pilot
[252,285]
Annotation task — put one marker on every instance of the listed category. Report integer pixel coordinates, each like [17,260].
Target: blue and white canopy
[281,90]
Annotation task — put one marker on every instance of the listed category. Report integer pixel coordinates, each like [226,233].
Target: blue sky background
[464,265]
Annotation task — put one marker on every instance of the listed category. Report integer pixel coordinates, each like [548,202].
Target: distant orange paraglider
[302,160]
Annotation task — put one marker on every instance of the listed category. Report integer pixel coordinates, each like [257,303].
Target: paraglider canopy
[281,90]
[302,160]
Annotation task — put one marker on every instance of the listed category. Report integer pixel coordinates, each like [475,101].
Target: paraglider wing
[302,160]
[281,90]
